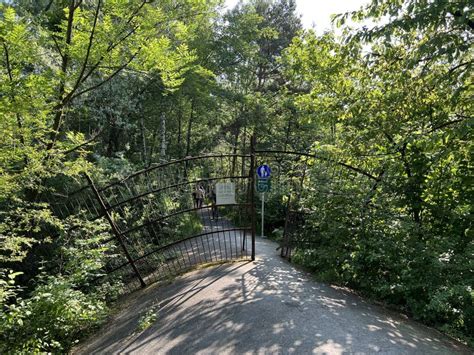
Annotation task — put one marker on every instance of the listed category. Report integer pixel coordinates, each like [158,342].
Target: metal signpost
[263,185]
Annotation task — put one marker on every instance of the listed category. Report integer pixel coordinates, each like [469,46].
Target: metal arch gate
[157,231]
[158,234]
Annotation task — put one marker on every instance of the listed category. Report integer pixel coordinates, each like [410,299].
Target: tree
[403,117]
[60,61]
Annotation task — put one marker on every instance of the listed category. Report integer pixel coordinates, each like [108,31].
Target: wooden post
[115,229]
[252,191]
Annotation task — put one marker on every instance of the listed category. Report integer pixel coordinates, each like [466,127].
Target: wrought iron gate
[157,230]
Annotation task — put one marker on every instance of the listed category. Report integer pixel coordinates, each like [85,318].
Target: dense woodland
[108,87]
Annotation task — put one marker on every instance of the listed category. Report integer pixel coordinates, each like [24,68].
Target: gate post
[285,245]
[115,229]
[252,191]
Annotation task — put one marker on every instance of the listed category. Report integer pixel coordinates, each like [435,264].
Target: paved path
[262,307]
[219,241]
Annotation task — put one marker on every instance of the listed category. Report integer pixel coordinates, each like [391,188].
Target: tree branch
[71,95]
[48,6]
[58,47]
[60,107]
[120,68]
[89,47]
[7,60]
[449,123]
[78,4]
[10,76]
[89,141]
[315,156]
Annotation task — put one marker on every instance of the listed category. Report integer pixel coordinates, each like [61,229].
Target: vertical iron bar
[172,258]
[252,191]
[230,243]
[166,263]
[285,243]
[176,259]
[209,212]
[195,258]
[182,256]
[187,253]
[225,244]
[237,244]
[241,211]
[115,230]
[213,235]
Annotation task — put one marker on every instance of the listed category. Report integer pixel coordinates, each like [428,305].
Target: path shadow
[265,307]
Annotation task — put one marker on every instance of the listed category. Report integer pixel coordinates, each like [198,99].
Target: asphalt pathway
[261,307]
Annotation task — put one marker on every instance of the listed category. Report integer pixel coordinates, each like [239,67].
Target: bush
[52,319]
[400,267]
[62,304]
[423,268]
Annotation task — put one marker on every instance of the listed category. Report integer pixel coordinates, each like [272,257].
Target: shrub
[62,304]
[51,319]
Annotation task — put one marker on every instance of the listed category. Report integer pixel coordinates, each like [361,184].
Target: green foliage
[275,209]
[110,87]
[147,319]
[401,114]
[62,307]
[51,319]
[64,71]
[189,225]
[181,226]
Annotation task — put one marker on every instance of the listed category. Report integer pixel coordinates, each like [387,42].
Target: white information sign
[225,193]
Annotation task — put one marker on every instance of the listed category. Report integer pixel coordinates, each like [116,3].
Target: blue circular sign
[264,171]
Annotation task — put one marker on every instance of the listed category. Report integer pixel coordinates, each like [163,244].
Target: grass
[148,318]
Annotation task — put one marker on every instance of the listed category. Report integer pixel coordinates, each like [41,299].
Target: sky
[318,12]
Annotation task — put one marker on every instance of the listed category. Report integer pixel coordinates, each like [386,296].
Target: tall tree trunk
[179,138]
[287,134]
[58,116]
[163,137]
[190,125]
[234,150]
[112,144]
[188,138]
[12,96]
[152,146]
[244,150]
[143,134]
[413,190]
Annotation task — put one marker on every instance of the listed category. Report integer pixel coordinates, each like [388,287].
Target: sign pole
[263,212]
[263,185]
